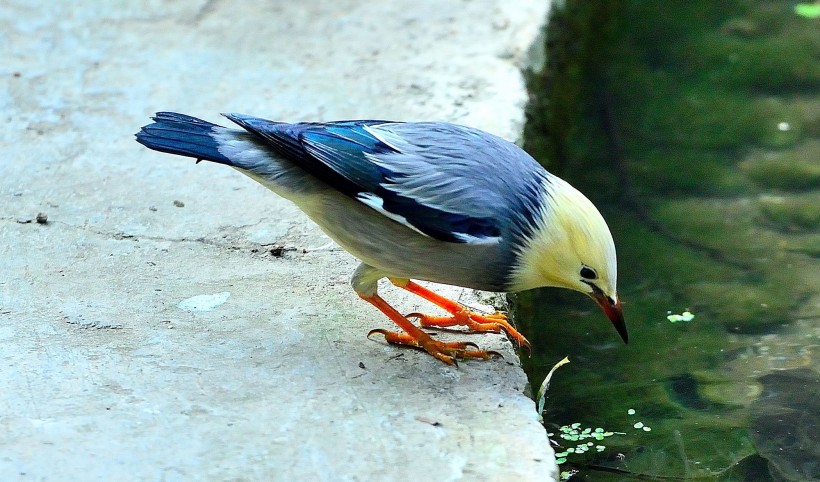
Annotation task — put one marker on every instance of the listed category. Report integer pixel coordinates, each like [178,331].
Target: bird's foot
[475,322]
[448,352]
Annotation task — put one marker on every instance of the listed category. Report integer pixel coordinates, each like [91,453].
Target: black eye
[588,273]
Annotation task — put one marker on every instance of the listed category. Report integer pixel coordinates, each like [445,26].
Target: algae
[795,169]
[695,127]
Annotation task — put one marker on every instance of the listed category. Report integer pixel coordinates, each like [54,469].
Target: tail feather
[183,135]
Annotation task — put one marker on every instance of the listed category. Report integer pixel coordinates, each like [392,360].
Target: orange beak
[613,311]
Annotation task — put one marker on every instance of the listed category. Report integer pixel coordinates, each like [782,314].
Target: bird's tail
[183,135]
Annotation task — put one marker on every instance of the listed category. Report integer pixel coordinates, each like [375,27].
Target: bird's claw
[448,352]
[380,331]
[476,323]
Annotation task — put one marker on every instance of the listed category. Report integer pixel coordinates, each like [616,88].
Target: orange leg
[414,337]
[495,323]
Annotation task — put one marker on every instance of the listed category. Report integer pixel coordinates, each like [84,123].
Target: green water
[695,127]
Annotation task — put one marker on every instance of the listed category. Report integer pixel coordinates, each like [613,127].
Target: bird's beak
[613,311]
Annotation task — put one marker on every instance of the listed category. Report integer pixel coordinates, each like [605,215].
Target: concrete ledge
[180,322]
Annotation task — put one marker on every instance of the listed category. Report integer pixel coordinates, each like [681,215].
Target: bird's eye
[588,273]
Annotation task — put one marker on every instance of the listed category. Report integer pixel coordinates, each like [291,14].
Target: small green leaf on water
[646,429]
[600,448]
[807,10]
[560,461]
[631,411]
[567,474]
[638,425]
[685,316]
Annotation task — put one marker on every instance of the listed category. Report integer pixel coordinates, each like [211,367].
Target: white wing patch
[377,203]
[393,141]
[466,238]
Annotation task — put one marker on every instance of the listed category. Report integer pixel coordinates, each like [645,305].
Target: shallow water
[695,127]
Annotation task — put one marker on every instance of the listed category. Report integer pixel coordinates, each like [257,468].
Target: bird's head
[570,246]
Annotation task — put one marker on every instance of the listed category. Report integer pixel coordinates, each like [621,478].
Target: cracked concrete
[173,321]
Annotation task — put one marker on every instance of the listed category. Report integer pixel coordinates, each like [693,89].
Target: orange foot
[475,322]
[415,337]
[448,352]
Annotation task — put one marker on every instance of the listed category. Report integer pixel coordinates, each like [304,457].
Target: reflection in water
[695,126]
[785,421]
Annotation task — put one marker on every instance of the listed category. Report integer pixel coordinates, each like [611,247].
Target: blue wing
[449,182]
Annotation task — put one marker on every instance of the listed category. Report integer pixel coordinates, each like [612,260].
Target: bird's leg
[495,323]
[413,336]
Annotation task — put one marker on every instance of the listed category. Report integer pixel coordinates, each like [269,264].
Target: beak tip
[624,334]
[616,315]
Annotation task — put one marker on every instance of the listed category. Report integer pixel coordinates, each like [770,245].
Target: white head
[571,247]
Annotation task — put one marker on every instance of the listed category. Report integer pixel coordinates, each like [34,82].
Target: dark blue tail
[182,135]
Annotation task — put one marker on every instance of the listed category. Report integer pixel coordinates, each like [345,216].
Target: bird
[420,201]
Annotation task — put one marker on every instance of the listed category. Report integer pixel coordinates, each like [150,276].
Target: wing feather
[449,182]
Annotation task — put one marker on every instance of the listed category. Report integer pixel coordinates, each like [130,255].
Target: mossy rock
[695,117]
[796,169]
[686,172]
[727,226]
[718,388]
[776,123]
[744,27]
[787,62]
[745,307]
[793,213]
[808,244]
[771,15]
[672,114]
[647,257]
[808,111]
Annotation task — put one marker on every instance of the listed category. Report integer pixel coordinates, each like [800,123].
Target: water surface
[695,126]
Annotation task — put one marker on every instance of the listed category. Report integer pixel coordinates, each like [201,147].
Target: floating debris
[542,391]
[685,316]
[807,10]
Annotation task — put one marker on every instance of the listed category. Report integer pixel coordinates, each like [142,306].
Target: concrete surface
[148,331]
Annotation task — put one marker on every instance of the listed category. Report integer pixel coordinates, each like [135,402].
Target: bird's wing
[445,181]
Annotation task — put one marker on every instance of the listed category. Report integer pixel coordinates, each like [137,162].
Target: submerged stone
[796,169]
[784,422]
[794,213]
